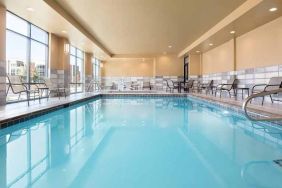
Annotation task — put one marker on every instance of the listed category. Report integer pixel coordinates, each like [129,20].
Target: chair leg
[229,94]
[58,93]
[271,99]
[220,94]
[48,94]
[39,97]
[262,100]
[27,97]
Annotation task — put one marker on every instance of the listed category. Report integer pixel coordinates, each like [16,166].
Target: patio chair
[207,86]
[18,87]
[128,86]
[273,84]
[187,85]
[170,85]
[57,90]
[231,84]
[147,85]
[94,85]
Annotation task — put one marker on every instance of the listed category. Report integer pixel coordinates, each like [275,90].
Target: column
[88,70]
[59,61]
[2,55]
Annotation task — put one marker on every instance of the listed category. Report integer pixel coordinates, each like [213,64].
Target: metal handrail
[261,94]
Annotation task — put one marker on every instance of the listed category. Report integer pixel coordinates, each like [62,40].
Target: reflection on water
[56,147]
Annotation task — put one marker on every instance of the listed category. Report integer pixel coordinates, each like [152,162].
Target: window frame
[76,57]
[29,41]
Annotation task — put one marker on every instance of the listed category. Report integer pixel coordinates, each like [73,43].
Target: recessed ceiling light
[30,9]
[64,31]
[211,44]
[198,51]
[170,46]
[273,9]
[232,32]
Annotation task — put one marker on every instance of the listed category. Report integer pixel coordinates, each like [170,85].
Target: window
[76,69]
[96,69]
[26,50]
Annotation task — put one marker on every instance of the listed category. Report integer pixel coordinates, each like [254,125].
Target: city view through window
[27,52]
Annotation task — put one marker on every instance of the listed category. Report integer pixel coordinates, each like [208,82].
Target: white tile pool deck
[14,110]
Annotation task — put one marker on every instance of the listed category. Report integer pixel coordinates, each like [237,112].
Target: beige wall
[260,47]
[58,58]
[88,63]
[166,65]
[195,65]
[169,65]
[219,59]
[2,33]
[131,67]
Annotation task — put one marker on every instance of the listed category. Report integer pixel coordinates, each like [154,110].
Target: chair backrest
[169,83]
[276,82]
[190,83]
[15,82]
[232,83]
[210,83]
[146,84]
[49,83]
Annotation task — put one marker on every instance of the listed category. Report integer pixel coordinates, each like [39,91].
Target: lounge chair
[18,87]
[170,85]
[94,85]
[147,85]
[273,84]
[187,85]
[207,86]
[128,86]
[49,87]
[231,84]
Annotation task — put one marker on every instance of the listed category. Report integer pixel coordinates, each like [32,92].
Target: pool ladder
[261,94]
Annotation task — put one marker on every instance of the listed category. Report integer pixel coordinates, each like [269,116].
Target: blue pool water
[141,142]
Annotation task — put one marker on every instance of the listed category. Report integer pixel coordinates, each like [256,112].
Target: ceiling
[48,19]
[145,28]
[148,26]
[255,17]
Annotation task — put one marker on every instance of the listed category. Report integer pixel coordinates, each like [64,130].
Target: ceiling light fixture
[30,9]
[169,46]
[232,32]
[211,44]
[273,9]
[64,31]
[198,51]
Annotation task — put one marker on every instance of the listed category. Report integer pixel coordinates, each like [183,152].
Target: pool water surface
[165,142]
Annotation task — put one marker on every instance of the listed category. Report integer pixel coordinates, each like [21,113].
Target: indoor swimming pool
[152,142]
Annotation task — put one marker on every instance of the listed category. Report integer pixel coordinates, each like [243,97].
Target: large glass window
[26,51]
[76,69]
[96,69]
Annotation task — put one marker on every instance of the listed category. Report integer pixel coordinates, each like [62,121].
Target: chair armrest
[221,85]
[175,83]
[270,86]
[258,85]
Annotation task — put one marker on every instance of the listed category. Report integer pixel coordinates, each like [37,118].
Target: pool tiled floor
[14,110]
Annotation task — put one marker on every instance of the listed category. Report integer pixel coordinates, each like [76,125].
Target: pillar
[2,55]
[59,61]
[88,69]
